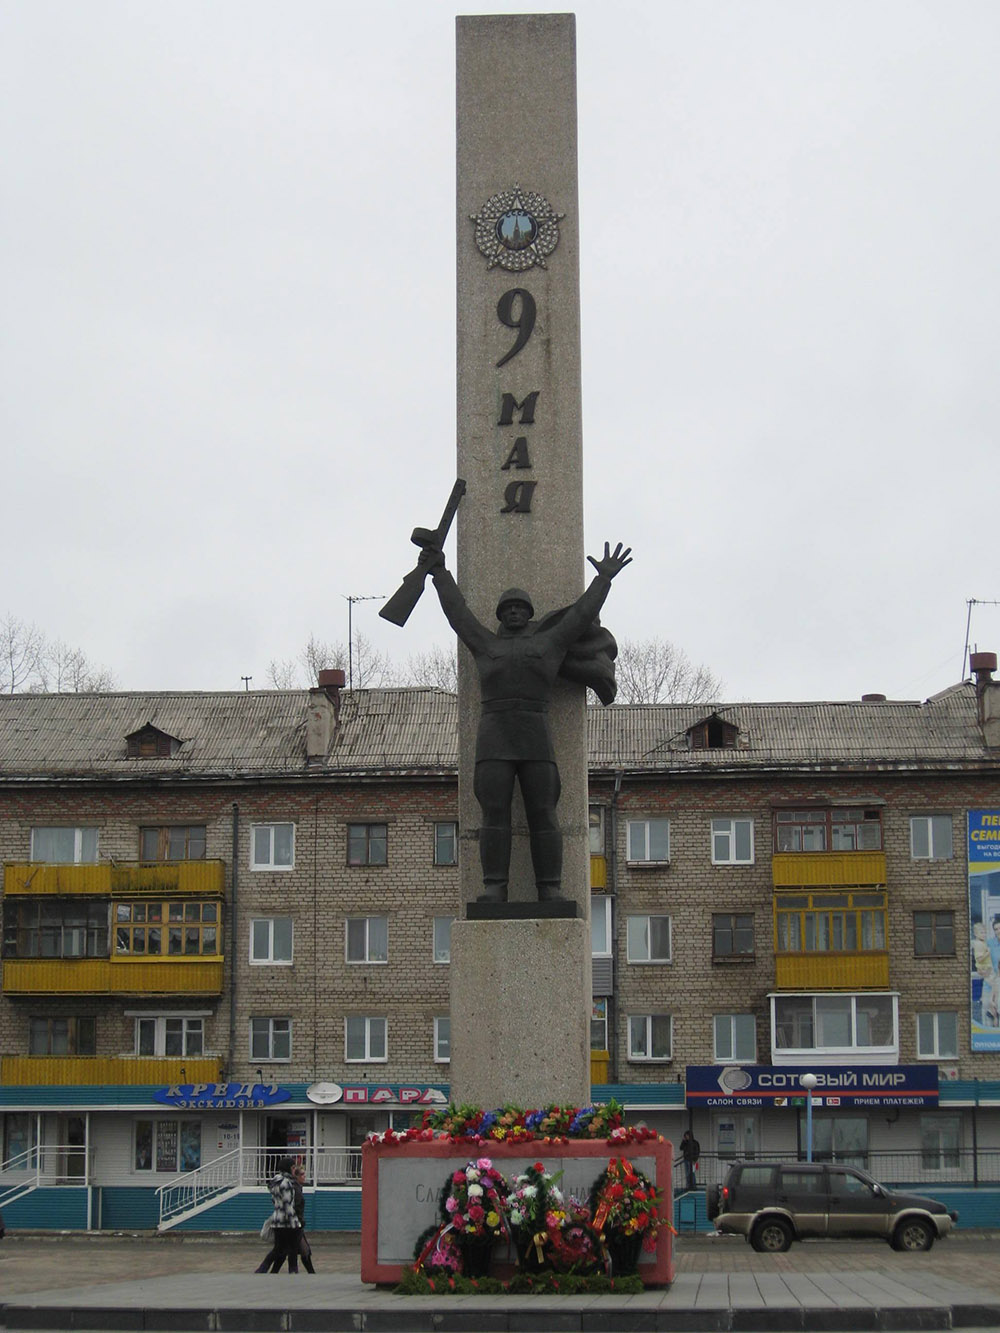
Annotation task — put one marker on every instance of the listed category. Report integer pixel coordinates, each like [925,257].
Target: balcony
[90,1070]
[118,878]
[868,970]
[113,976]
[793,870]
[599,873]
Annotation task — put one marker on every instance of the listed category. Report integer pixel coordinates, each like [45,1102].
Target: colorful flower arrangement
[513,1124]
[536,1211]
[475,1202]
[625,1203]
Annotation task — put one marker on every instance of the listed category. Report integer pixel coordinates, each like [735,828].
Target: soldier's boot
[494,856]
[546,858]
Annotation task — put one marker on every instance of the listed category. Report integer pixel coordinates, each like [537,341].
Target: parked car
[774,1203]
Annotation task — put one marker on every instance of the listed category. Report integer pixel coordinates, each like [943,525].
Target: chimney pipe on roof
[983,666]
[323,715]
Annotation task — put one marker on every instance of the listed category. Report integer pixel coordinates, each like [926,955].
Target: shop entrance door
[284,1136]
[737,1134]
[72,1131]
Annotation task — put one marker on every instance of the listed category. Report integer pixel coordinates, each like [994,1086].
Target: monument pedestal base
[520,1001]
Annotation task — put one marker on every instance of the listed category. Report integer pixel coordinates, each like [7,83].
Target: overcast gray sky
[228,327]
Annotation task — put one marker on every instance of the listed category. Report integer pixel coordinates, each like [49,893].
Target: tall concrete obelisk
[521,989]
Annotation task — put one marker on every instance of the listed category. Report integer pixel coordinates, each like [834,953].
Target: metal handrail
[927,1167]
[43,1164]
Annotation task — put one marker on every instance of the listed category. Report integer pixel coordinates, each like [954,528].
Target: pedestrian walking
[690,1152]
[305,1249]
[285,1221]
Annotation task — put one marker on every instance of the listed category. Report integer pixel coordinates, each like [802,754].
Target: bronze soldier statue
[518,665]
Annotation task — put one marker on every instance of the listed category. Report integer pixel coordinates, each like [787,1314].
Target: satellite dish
[324,1093]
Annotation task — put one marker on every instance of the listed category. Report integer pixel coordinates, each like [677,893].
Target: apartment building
[226,934]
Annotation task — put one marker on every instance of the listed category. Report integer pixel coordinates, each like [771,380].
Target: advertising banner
[984,926]
[836,1085]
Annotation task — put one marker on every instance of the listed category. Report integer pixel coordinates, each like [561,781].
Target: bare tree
[369,668]
[21,647]
[438,668]
[655,671]
[65,670]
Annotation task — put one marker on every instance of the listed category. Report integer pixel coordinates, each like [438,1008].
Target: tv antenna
[970,602]
[350,600]
[246,682]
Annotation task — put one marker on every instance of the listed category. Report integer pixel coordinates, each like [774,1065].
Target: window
[648,840]
[835,1024]
[442,1040]
[934,934]
[648,939]
[836,830]
[173,928]
[940,1142]
[595,819]
[840,1138]
[273,847]
[446,843]
[55,928]
[270,1039]
[367,844]
[271,939]
[62,1036]
[930,837]
[735,1038]
[442,939]
[169,1035]
[599,1025]
[365,1039]
[831,922]
[649,1036]
[66,846]
[174,842]
[732,842]
[167,1145]
[367,939]
[732,935]
[937,1035]
[601,939]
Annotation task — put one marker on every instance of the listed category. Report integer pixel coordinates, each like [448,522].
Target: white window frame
[599,1015]
[195,1018]
[179,1123]
[442,824]
[279,1030]
[269,959]
[929,822]
[648,1029]
[366,943]
[595,830]
[441,939]
[270,863]
[369,1027]
[862,1055]
[937,1050]
[78,832]
[442,1038]
[735,1056]
[644,825]
[600,906]
[725,827]
[649,959]
[940,1123]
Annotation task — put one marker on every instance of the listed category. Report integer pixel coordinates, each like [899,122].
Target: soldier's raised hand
[613,562]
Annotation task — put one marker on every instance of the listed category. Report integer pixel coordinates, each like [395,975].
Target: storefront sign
[221,1096]
[326,1094]
[984,925]
[836,1085]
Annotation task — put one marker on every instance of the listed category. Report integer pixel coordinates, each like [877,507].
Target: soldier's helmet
[514,595]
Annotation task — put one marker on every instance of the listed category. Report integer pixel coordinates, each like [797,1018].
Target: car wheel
[913,1234]
[772,1236]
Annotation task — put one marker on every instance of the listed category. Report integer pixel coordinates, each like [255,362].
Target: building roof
[415,731]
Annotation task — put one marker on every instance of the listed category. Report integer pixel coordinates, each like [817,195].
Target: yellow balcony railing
[113,976]
[599,1061]
[114,879]
[792,870]
[73,1070]
[832,971]
[598,872]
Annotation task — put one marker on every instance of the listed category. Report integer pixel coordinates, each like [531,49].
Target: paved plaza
[189,1283]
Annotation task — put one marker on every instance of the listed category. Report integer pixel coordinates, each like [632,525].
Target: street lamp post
[809,1082]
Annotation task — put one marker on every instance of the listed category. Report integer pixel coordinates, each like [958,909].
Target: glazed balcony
[90,1070]
[790,870]
[199,975]
[120,878]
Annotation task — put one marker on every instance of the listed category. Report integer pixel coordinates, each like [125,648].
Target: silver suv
[774,1203]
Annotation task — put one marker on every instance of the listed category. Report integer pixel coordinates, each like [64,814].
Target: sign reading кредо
[836,1085]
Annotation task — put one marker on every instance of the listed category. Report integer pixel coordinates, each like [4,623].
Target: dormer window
[713,734]
[150,742]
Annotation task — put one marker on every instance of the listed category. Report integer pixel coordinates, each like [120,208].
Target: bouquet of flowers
[576,1247]
[536,1211]
[474,1205]
[625,1205]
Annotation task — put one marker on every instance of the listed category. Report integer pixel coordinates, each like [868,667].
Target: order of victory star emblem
[516,229]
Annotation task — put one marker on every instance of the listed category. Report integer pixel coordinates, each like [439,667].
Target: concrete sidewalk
[721,1285]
